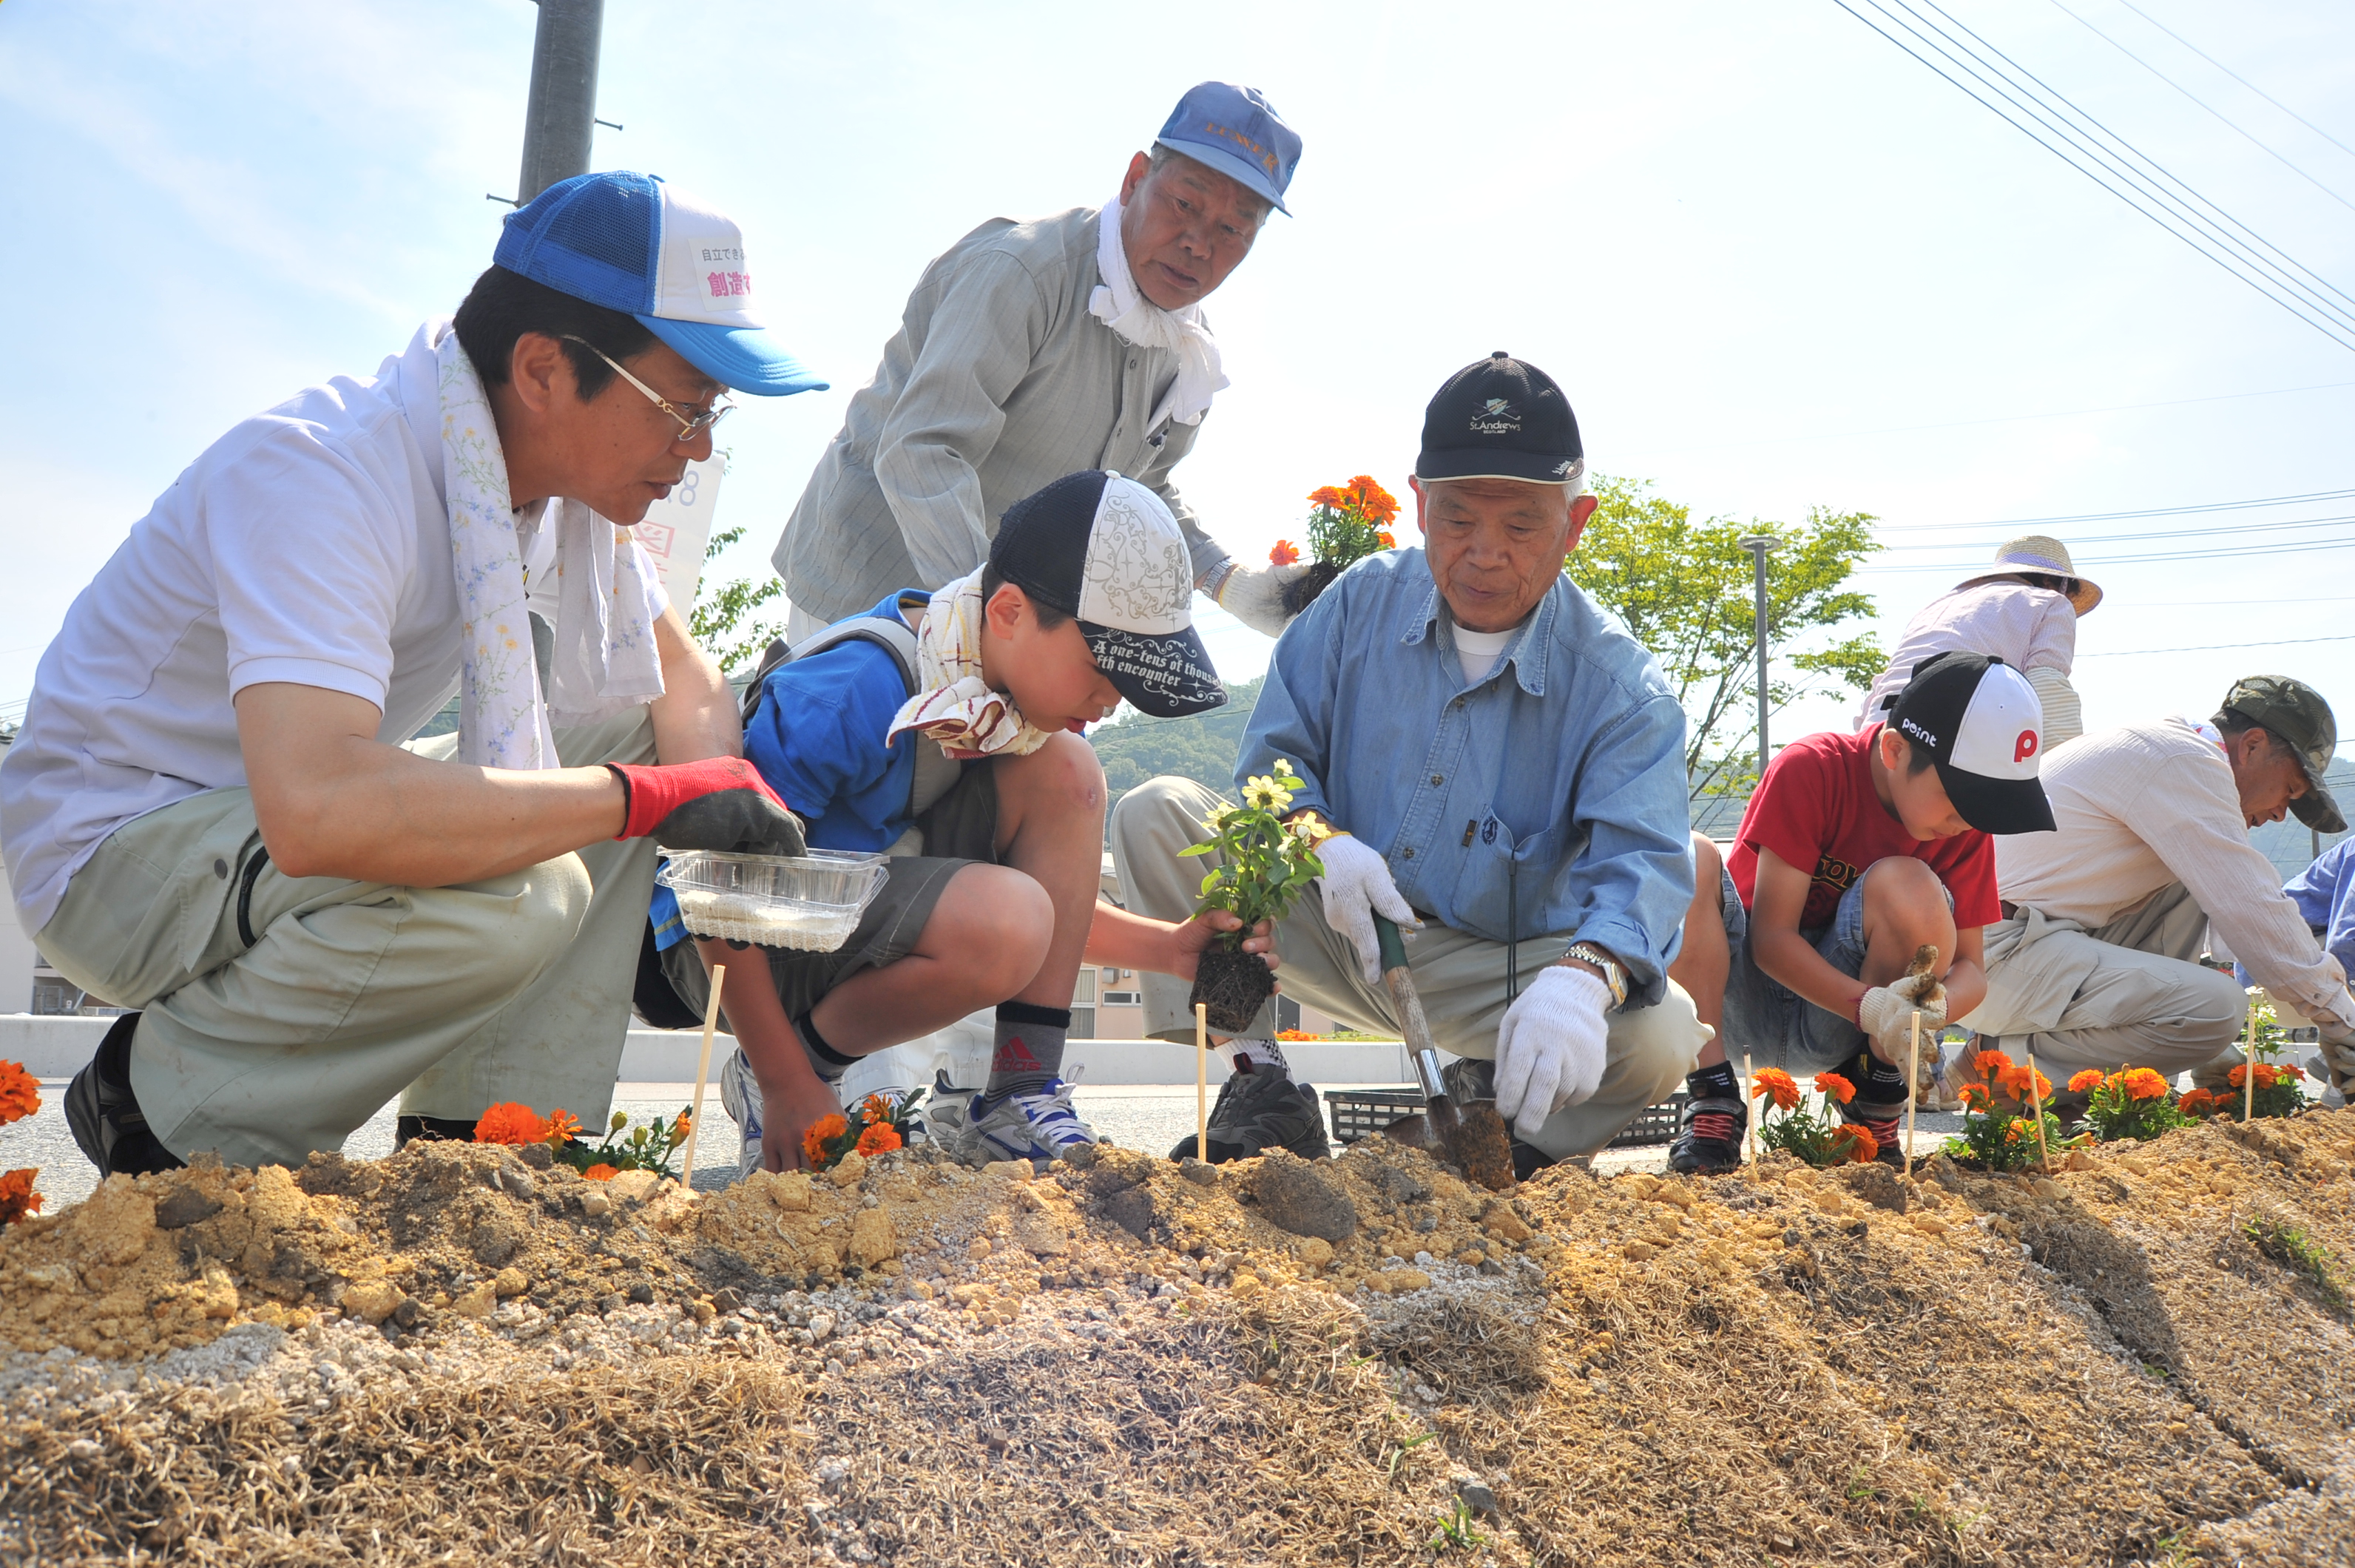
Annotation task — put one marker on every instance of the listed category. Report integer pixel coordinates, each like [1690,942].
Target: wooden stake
[2249,1068]
[1762,1109]
[1202,1082]
[703,1074]
[2036,1109]
[1913,1090]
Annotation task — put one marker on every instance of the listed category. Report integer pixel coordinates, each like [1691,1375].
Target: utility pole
[561,120]
[1758,545]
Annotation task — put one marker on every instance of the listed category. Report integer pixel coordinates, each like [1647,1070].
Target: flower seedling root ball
[1233,986]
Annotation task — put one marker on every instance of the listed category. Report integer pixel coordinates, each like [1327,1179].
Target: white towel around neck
[605,661]
[1117,302]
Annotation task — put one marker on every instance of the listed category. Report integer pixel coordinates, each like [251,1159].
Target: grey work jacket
[998,381]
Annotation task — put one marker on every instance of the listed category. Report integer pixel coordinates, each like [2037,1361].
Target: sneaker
[104,1115]
[944,1110]
[1885,1124]
[1039,1125]
[1710,1141]
[739,1096]
[1260,1110]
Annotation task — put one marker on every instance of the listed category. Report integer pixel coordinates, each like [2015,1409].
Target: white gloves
[2339,1053]
[1254,595]
[1886,1015]
[1357,887]
[1551,1047]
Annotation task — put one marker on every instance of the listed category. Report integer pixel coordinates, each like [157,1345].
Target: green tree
[723,622]
[1202,748]
[1684,588]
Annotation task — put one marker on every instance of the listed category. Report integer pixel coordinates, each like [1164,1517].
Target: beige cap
[2041,553]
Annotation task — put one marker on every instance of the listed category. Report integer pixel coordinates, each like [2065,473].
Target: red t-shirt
[1817,808]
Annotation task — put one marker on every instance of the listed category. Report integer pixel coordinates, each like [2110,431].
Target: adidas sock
[828,1063]
[1028,1054]
[1254,1056]
[1716,1082]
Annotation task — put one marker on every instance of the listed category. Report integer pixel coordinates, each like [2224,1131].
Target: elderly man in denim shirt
[1496,762]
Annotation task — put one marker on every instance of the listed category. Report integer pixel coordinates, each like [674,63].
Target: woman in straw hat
[2024,612]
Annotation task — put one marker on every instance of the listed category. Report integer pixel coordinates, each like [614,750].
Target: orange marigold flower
[1973,1097]
[600,1173]
[881,1137]
[1326,496]
[17,1197]
[1854,1142]
[2290,1070]
[510,1123]
[1838,1087]
[822,1132]
[2198,1102]
[2267,1074]
[680,1129]
[1989,1063]
[2085,1082]
[2014,1133]
[2015,1082]
[2238,1076]
[20,1093]
[1386,541]
[1284,553]
[563,1127]
[2145,1084]
[875,1108]
[1774,1082]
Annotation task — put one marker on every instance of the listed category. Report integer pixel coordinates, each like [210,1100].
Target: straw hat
[2041,553]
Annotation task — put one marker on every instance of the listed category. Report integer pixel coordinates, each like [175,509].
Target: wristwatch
[1614,974]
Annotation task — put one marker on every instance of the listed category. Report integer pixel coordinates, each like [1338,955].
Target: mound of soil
[451,1355]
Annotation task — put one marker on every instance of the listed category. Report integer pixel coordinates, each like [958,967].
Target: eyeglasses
[689,425]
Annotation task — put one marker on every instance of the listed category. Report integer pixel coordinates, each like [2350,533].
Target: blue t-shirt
[2325,896]
[817,738]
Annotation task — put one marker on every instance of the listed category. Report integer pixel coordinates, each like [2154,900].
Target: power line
[2149,534]
[2165,219]
[2203,104]
[2224,554]
[2236,75]
[2147,511]
[2130,149]
[2212,647]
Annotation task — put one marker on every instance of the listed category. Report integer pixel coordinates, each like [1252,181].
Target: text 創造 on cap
[1236,131]
[629,242]
[1501,418]
[1983,725]
[1105,549]
[2296,712]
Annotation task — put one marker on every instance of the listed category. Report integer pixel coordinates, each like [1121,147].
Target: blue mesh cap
[629,242]
[1236,131]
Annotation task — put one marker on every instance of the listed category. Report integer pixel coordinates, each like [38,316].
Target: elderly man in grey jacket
[1033,350]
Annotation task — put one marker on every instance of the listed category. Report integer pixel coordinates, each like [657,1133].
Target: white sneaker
[1040,1125]
[740,1095]
[944,1110]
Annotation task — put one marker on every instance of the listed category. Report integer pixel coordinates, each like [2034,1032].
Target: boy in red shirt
[1856,851]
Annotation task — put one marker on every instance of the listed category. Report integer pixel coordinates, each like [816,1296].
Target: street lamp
[1758,545]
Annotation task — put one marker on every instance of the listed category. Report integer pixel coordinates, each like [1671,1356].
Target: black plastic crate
[1657,1123]
[1362,1113]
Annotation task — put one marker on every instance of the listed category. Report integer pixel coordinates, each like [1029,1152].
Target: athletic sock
[1254,1056]
[1028,1053]
[828,1063]
[1883,1084]
[1716,1082]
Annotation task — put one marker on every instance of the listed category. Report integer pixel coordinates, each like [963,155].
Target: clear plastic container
[810,903]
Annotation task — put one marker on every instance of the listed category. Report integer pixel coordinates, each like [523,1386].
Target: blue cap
[1236,132]
[631,243]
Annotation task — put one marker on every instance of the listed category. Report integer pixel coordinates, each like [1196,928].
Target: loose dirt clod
[452,1355]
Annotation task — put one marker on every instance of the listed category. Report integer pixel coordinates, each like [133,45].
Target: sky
[1774,262]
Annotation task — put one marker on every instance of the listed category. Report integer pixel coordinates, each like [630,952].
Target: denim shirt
[1555,784]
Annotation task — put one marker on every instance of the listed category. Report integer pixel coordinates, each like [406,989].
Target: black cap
[1983,725]
[1501,418]
[1106,550]
[2294,711]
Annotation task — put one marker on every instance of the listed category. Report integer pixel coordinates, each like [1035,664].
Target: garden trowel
[1471,1138]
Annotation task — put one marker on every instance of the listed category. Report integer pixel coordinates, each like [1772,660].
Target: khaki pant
[1460,978]
[2125,994]
[270,1042]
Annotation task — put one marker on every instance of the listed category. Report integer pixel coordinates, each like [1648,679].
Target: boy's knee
[1065,774]
[1708,868]
[1901,888]
[996,922]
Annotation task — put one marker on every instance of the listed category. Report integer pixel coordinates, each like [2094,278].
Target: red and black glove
[721,803]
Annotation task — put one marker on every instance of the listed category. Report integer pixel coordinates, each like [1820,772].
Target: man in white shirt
[209,815]
[2094,962]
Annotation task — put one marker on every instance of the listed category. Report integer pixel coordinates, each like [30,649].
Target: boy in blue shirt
[991,898]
